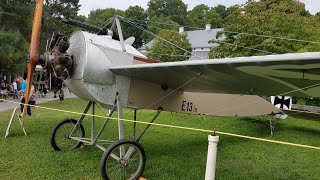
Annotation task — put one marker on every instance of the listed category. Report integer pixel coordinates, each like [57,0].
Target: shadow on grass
[305,116]
[310,131]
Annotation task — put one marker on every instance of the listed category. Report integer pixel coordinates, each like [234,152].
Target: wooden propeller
[34,52]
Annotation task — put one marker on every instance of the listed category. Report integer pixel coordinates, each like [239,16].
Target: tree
[214,18]
[16,22]
[201,15]
[15,27]
[197,16]
[17,16]
[53,12]
[100,17]
[222,10]
[13,50]
[285,18]
[176,10]
[138,15]
[156,24]
[318,16]
[165,51]
[62,8]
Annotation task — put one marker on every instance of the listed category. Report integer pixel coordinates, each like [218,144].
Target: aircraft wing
[295,75]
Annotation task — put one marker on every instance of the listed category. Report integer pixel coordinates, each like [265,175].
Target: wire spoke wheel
[60,135]
[124,159]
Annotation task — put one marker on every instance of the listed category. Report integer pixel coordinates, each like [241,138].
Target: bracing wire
[234,32]
[155,27]
[273,37]
[173,55]
[149,32]
[106,24]
[245,47]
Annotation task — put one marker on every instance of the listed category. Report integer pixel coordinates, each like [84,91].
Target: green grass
[171,153]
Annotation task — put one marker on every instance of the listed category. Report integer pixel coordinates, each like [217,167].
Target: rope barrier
[179,127]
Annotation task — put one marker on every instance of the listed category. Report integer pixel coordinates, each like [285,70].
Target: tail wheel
[124,159]
[60,135]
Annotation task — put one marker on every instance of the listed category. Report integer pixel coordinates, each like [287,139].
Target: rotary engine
[57,61]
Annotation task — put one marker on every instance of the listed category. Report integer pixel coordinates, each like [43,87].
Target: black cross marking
[282,101]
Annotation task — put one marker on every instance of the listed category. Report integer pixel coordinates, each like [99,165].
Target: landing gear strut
[122,159]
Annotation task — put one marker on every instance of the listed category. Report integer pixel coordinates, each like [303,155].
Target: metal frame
[10,122]
[94,138]
[270,120]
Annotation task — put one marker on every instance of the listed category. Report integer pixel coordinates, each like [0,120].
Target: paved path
[9,105]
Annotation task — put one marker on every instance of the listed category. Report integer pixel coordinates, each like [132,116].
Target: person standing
[15,90]
[23,85]
[32,100]
[3,89]
[45,90]
[61,95]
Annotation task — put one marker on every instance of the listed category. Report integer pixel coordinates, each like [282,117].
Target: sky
[88,5]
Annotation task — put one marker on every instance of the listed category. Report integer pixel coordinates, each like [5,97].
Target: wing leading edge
[288,74]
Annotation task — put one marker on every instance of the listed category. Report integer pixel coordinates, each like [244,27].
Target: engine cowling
[84,66]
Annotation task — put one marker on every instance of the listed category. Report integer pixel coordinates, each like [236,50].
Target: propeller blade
[33,51]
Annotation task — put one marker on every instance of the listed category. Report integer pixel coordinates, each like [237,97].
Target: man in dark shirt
[3,89]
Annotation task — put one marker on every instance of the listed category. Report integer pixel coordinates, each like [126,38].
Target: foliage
[318,16]
[176,10]
[62,8]
[222,10]
[201,15]
[155,24]
[214,18]
[53,12]
[161,47]
[137,14]
[12,52]
[286,18]
[16,22]
[15,28]
[100,17]
[17,16]
[197,17]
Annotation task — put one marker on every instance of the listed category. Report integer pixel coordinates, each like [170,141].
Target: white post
[212,157]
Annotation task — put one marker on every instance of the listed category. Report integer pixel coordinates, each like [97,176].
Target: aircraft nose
[57,61]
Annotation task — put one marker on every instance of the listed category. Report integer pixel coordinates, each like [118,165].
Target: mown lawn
[171,153]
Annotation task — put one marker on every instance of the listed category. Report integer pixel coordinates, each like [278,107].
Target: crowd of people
[18,88]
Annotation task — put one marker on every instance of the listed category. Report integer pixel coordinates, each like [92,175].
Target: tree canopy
[100,17]
[15,29]
[285,18]
[165,51]
[12,52]
[139,15]
[318,16]
[176,10]
[156,24]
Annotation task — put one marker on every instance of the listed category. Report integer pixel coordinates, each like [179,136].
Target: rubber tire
[108,151]
[54,130]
